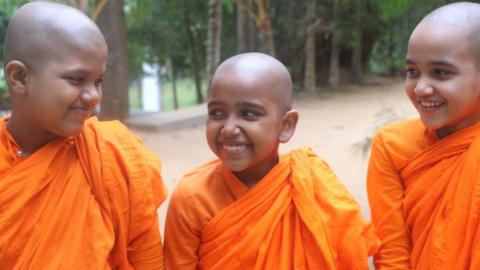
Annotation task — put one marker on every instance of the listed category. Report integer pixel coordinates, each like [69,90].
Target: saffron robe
[82,202]
[298,216]
[424,193]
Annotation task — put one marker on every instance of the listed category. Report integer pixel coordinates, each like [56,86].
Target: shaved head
[258,68]
[462,16]
[40,31]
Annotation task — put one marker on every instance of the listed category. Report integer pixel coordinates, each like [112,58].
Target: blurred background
[163,52]
[346,58]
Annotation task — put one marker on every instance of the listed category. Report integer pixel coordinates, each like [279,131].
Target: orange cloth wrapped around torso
[425,197]
[83,202]
[298,216]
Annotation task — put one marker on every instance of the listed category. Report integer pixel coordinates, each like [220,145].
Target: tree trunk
[244,26]
[115,87]
[265,28]
[172,76]
[82,5]
[213,38]
[334,72]
[193,53]
[310,70]
[357,62]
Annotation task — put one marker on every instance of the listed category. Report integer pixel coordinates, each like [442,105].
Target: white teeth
[430,104]
[233,148]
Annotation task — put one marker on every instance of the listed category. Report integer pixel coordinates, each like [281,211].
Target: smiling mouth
[82,112]
[429,105]
[234,149]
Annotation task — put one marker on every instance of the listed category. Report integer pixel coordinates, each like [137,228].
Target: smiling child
[75,192]
[254,209]
[424,174]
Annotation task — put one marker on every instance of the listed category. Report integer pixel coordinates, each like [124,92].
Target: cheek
[211,130]
[410,90]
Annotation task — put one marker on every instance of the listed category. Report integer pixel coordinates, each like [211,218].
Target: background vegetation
[324,43]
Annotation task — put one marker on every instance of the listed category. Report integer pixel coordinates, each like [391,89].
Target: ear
[289,123]
[16,77]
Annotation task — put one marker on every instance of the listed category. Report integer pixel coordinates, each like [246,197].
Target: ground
[337,126]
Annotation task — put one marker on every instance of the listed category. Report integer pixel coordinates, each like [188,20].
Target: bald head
[258,68]
[40,31]
[462,17]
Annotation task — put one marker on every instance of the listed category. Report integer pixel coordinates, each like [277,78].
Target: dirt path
[333,126]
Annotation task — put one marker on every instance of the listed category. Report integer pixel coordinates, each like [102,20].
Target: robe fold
[298,216]
[426,198]
[83,202]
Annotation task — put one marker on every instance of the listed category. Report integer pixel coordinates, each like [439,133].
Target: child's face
[244,124]
[64,92]
[443,80]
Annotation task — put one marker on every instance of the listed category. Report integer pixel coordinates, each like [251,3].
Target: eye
[215,114]
[440,73]
[411,72]
[250,115]
[75,80]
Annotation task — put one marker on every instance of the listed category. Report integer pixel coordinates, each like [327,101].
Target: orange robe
[424,193]
[298,216]
[83,202]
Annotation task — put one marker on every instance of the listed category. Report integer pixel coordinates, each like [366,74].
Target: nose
[91,95]
[230,127]
[423,88]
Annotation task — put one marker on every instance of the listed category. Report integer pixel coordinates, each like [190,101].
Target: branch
[246,8]
[98,9]
[319,25]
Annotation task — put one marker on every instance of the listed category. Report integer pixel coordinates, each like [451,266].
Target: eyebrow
[435,63]
[247,103]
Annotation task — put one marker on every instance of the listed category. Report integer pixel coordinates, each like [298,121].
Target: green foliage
[158,30]
[7,7]
[392,8]
[399,18]
[228,6]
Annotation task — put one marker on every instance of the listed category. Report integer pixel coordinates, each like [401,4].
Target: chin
[72,131]
[432,124]
[235,167]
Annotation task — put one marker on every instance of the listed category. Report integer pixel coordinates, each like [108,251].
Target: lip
[233,149]
[429,105]
[83,113]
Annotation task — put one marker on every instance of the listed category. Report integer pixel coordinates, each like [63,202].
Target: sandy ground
[336,126]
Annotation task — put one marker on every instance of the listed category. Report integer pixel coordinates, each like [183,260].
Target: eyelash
[437,73]
[75,80]
[411,72]
[215,113]
[440,73]
[249,115]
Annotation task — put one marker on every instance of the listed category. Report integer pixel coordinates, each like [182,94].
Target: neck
[27,137]
[252,176]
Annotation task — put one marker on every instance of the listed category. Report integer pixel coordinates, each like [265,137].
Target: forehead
[229,86]
[438,40]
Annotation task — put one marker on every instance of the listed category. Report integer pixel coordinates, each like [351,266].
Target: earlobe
[15,75]
[289,123]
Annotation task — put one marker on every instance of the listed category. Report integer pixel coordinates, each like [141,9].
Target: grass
[186,94]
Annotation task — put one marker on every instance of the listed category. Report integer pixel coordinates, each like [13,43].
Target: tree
[310,70]
[194,53]
[214,37]
[357,50]
[334,71]
[244,26]
[115,103]
[264,27]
